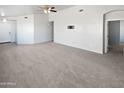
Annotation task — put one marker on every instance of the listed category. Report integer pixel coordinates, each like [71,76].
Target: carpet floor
[52,65]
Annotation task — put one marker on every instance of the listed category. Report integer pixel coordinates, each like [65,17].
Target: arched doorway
[110,17]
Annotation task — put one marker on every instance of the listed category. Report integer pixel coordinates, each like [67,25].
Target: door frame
[106,34]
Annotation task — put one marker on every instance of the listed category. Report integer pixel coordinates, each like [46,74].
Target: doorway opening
[51,30]
[113,31]
[8,32]
[113,36]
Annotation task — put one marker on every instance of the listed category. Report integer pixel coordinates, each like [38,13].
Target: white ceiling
[18,10]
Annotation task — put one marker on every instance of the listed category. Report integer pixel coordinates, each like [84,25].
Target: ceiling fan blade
[52,7]
[53,10]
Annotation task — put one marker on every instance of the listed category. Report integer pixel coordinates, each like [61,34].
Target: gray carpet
[57,66]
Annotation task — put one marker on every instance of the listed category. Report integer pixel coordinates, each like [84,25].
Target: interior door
[5,33]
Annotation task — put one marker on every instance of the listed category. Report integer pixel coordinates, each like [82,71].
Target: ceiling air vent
[25,18]
[81,10]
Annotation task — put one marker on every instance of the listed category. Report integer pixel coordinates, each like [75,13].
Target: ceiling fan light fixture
[45,11]
[48,11]
[49,8]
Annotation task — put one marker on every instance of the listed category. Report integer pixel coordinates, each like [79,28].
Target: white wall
[5,29]
[88,32]
[52,16]
[35,29]
[25,29]
[41,28]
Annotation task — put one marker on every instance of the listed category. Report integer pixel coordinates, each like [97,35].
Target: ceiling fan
[47,9]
